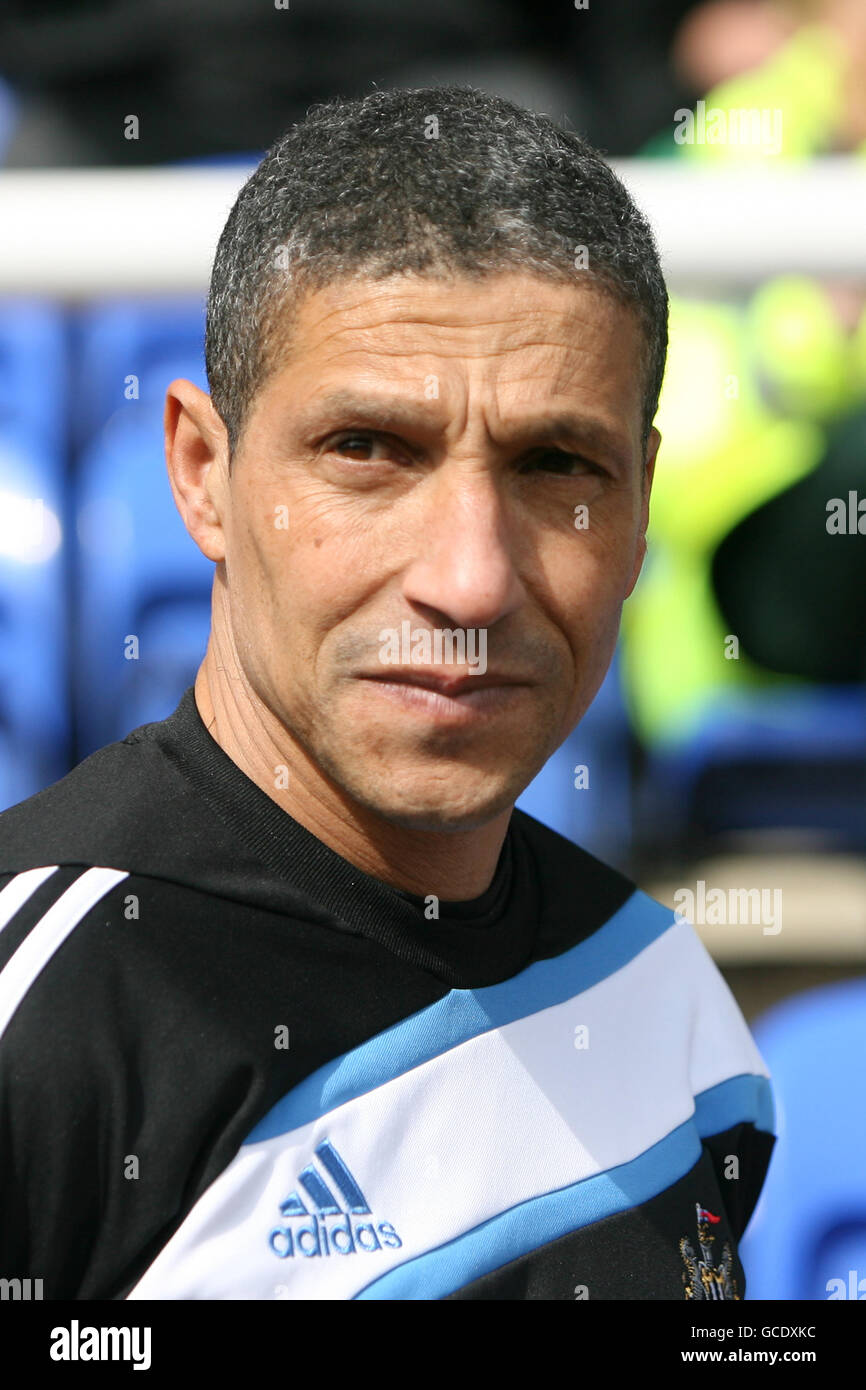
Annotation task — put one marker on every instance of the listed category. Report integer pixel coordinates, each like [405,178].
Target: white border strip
[82,232]
[49,934]
[19,889]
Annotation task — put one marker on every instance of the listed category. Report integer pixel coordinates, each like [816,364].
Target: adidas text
[315,1237]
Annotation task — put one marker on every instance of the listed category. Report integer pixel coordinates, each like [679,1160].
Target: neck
[453,865]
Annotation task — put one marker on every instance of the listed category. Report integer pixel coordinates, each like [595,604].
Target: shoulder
[578,893]
[94,814]
[626,920]
[559,857]
[651,980]
[596,911]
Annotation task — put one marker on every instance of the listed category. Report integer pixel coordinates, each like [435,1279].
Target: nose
[465,566]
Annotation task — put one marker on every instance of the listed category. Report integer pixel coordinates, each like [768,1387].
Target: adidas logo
[312,1235]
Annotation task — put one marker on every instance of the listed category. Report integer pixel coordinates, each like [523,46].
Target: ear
[196,453]
[652,447]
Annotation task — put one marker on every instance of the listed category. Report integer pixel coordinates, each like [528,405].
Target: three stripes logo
[308,1232]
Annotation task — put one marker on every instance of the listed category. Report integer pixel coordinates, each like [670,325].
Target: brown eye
[354,443]
[363,447]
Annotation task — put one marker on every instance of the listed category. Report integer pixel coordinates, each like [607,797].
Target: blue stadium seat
[792,757]
[809,1227]
[119,339]
[139,574]
[34,723]
[34,385]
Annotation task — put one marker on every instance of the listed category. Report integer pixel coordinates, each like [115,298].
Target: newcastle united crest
[703,1277]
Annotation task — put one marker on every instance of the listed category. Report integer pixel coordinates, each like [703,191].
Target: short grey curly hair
[442,181]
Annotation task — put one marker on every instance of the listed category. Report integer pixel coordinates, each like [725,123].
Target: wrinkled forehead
[539,341]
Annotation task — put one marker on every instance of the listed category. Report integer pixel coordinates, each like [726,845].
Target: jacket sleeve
[49,1118]
[741,1157]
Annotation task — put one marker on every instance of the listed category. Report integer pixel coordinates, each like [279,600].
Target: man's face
[461,455]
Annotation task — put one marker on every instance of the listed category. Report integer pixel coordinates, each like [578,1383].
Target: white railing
[78,233]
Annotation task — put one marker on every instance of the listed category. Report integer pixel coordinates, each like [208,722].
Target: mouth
[455,699]
[443,685]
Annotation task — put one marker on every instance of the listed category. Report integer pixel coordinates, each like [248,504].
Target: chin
[441,822]
[420,812]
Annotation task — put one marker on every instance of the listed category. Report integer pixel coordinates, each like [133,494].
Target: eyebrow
[381,412]
[563,428]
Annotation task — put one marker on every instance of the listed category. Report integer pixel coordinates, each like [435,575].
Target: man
[295,1003]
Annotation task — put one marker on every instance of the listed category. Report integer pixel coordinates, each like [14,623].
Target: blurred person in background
[758,388]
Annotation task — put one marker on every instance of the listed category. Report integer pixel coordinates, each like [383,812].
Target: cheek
[294,590]
[591,572]
[258,570]
[587,582]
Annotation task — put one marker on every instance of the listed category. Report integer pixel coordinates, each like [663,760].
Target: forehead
[517,336]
